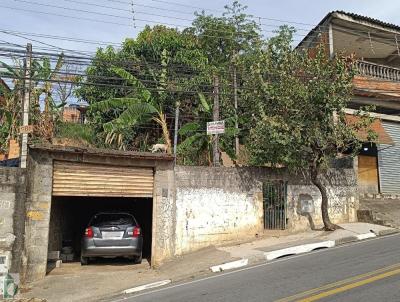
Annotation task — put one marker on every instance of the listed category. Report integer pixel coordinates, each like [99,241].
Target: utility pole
[176,129]
[27,96]
[216,118]
[235,97]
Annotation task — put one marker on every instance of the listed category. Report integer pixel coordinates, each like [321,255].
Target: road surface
[363,271]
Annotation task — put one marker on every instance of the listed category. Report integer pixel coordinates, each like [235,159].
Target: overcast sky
[120,24]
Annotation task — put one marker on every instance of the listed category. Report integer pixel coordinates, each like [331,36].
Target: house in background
[376,46]
[75,113]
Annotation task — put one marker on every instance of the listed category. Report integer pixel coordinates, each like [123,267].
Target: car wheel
[138,259]
[84,260]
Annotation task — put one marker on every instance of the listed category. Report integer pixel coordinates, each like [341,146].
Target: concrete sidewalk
[255,251]
[92,283]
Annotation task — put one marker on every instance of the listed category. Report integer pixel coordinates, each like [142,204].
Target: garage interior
[82,190]
[70,216]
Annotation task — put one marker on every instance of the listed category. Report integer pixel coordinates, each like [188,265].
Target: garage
[82,190]
[68,185]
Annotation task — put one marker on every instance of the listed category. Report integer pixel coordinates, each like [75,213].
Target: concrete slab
[362,228]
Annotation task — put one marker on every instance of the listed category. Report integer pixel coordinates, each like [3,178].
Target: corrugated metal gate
[389,160]
[81,179]
[275,200]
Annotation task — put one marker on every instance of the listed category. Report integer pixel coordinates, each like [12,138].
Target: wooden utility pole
[235,97]
[176,129]
[27,97]
[216,118]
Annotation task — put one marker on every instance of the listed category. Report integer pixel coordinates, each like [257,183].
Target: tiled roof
[357,17]
[367,19]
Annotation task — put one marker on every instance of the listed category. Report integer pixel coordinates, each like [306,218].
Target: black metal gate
[274,196]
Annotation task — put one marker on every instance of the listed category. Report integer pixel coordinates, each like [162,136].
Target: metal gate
[275,197]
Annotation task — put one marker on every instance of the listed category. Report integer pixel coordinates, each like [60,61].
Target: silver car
[112,235]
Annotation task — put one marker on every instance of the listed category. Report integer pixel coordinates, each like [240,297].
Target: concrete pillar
[38,206]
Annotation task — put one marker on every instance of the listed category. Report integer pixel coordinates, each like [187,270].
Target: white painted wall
[214,216]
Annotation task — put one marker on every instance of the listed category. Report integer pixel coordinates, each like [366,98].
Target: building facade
[376,47]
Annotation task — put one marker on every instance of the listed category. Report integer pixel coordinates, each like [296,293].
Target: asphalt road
[364,271]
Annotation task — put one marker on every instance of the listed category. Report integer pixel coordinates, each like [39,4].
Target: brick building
[75,113]
[375,45]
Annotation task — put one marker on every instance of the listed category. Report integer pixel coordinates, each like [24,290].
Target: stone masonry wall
[38,206]
[12,205]
[216,206]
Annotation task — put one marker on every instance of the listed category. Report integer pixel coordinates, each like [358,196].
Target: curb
[366,236]
[388,232]
[299,249]
[146,286]
[305,248]
[345,240]
[229,265]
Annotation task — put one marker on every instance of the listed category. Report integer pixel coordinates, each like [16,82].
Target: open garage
[82,190]
[70,185]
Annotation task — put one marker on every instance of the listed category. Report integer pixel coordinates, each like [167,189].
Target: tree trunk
[315,179]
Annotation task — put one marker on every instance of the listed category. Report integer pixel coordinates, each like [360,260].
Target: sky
[112,20]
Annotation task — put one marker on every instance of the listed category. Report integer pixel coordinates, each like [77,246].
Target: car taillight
[136,232]
[89,232]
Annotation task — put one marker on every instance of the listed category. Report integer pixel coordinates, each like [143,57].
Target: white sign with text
[217,127]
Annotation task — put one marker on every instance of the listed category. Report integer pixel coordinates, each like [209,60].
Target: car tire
[84,260]
[138,259]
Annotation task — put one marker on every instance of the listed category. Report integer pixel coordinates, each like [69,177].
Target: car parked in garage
[112,235]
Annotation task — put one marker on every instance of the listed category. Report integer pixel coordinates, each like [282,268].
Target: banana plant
[137,108]
[47,75]
[197,142]
[10,103]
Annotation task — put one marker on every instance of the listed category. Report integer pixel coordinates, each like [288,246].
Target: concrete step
[369,216]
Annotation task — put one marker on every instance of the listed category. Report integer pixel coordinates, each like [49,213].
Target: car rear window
[112,219]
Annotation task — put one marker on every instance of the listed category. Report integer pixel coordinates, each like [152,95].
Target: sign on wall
[217,127]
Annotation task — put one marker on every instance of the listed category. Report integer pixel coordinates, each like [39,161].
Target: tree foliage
[300,117]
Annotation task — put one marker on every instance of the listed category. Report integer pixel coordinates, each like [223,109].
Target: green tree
[10,103]
[167,62]
[227,41]
[301,120]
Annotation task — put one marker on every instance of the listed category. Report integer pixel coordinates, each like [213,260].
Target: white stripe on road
[146,286]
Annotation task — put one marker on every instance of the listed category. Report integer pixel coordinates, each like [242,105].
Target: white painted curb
[366,236]
[299,249]
[229,265]
[146,286]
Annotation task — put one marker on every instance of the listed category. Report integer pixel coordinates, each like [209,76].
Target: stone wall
[12,208]
[38,206]
[216,206]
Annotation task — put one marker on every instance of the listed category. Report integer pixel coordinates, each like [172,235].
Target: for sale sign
[217,127]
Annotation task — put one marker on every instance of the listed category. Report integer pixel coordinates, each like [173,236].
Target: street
[364,271]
